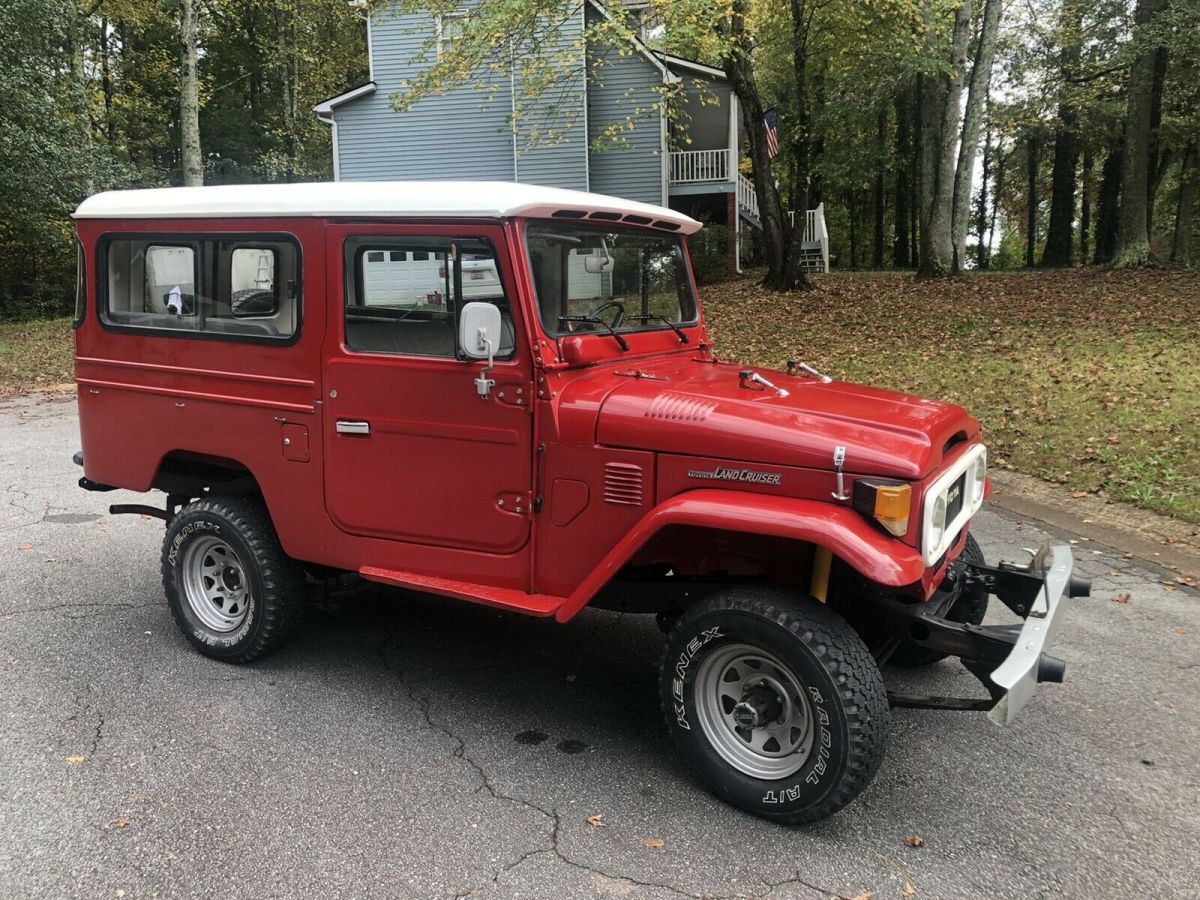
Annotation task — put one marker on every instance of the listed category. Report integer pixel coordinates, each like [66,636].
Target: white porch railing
[815,233]
[746,198]
[699,166]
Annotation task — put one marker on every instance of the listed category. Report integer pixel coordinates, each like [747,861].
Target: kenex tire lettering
[681,665]
[823,748]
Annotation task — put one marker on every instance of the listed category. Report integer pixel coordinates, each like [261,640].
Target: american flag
[770,121]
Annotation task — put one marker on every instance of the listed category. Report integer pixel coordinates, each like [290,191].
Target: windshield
[591,279]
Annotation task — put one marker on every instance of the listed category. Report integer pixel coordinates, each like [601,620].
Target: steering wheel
[594,313]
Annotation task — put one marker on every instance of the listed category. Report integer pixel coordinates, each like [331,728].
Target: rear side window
[238,288]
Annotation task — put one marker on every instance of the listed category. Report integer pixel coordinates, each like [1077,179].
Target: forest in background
[941,134]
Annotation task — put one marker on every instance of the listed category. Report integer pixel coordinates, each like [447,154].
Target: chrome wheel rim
[754,711]
[215,584]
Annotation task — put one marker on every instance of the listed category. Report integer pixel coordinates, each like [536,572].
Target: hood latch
[748,377]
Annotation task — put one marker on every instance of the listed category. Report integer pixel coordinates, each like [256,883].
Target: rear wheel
[233,591]
[776,701]
[967,610]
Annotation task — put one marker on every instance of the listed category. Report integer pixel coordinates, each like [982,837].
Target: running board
[541,605]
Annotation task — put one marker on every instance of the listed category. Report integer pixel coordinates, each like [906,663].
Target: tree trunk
[995,202]
[1133,237]
[794,276]
[880,176]
[941,103]
[1059,234]
[1157,161]
[285,49]
[852,219]
[914,178]
[1109,204]
[1085,205]
[981,76]
[903,171]
[776,237]
[1189,187]
[189,97]
[1031,198]
[1060,242]
[981,254]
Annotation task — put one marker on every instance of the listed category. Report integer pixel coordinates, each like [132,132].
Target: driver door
[412,453]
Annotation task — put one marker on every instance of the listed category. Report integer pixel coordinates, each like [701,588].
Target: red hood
[699,408]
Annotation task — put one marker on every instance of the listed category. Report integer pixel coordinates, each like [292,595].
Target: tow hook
[1079,587]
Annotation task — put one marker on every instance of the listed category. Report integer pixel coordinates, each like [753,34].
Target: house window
[449,29]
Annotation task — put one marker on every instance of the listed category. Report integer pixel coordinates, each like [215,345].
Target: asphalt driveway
[406,746]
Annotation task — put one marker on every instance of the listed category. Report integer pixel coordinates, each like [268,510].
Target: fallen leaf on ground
[915,840]
[75,760]
[655,843]
[1181,631]
[1078,495]
[865,895]
[25,548]
[1122,597]
[596,821]
[120,823]
[908,890]
[571,678]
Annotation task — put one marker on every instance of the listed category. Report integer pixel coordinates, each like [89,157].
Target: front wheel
[776,701]
[233,591]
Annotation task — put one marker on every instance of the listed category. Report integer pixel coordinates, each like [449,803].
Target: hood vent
[680,407]
[623,484]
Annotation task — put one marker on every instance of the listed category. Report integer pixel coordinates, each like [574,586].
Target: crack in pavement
[554,819]
[5,614]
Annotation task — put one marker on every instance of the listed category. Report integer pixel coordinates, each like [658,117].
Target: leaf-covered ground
[1087,377]
[35,354]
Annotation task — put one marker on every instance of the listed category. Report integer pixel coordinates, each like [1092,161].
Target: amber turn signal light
[887,502]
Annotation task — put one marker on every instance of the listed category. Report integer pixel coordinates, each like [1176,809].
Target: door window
[403,295]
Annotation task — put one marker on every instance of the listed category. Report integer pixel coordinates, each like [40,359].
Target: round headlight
[979,476]
[937,522]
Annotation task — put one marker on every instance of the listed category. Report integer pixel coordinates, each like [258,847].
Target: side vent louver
[623,484]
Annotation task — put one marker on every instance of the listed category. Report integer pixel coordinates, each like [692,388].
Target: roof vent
[568,214]
[606,216]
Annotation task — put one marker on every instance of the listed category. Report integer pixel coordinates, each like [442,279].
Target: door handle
[346,427]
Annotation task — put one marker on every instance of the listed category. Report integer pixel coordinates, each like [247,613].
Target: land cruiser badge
[747,476]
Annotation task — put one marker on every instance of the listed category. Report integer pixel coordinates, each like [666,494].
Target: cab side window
[403,294]
[235,287]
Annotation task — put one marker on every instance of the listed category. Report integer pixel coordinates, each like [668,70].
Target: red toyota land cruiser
[505,394]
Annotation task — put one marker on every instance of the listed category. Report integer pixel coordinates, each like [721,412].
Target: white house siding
[617,87]
[463,134]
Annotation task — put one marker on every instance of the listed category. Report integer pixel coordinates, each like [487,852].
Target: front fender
[844,532]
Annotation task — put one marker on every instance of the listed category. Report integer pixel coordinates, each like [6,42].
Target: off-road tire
[850,712]
[966,611]
[276,582]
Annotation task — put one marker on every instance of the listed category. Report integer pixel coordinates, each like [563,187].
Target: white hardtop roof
[378,200]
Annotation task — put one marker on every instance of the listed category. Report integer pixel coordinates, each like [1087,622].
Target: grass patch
[1085,377]
[35,354]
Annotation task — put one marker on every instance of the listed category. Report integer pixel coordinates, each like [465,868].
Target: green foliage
[91,102]
[709,250]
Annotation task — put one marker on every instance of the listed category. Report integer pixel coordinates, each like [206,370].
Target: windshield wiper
[646,317]
[593,320]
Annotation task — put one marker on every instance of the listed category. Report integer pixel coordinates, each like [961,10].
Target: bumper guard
[1009,660]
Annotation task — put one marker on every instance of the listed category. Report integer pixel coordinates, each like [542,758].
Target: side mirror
[479,336]
[599,265]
